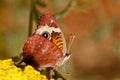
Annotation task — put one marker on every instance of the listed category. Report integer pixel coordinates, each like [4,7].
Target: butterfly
[46,47]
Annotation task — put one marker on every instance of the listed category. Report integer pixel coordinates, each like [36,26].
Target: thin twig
[63,12]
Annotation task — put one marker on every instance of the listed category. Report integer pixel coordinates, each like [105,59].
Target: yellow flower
[8,71]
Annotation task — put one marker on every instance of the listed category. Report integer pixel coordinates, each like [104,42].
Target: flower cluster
[8,71]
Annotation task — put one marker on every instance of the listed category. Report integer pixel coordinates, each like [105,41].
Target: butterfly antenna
[70,42]
[71,39]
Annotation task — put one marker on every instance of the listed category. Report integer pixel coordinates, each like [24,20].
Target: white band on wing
[48,29]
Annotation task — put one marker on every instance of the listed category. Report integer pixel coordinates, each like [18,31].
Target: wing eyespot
[46,35]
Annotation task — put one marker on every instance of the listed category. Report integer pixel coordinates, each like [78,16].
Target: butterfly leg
[52,73]
[57,75]
[18,61]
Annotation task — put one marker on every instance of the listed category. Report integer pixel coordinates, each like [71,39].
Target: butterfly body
[46,47]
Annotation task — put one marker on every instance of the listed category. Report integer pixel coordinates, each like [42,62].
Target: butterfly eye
[46,35]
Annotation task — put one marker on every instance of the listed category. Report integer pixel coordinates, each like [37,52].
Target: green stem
[31,17]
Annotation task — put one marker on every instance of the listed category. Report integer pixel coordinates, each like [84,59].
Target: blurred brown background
[96,48]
